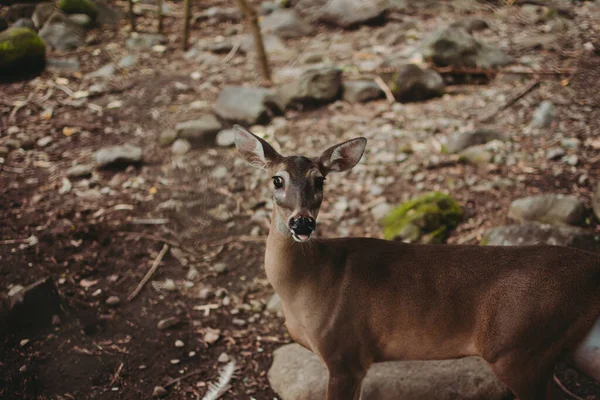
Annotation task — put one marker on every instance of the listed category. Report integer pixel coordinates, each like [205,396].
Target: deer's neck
[287,262]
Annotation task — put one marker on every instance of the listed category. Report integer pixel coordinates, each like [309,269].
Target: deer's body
[355,301]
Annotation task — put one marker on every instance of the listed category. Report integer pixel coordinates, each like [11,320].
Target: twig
[159,17]
[186,23]
[149,273]
[65,89]
[386,89]
[182,377]
[532,85]
[131,16]
[163,240]
[261,54]
[232,52]
[150,221]
[116,375]
[13,241]
[564,389]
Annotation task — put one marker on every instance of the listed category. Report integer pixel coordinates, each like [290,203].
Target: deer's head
[297,181]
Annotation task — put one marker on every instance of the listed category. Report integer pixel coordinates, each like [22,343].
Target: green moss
[86,7]
[21,48]
[428,218]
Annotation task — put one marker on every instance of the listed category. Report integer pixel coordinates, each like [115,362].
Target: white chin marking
[300,238]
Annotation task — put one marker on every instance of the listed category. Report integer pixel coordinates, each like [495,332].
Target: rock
[350,13]
[128,61]
[86,7]
[21,49]
[18,11]
[543,115]
[167,137]
[199,131]
[104,72]
[412,83]
[113,301]
[223,358]
[60,33]
[428,218]
[532,233]
[596,202]
[464,140]
[220,268]
[555,153]
[118,156]
[316,84]
[159,392]
[30,308]
[361,91]
[4,151]
[179,344]
[211,336]
[44,141]
[221,14]
[80,171]
[286,24]
[180,147]
[25,23]
[192,274]
[225,138]
[42,13]
[62,65]
[246,105]
[274,305]
[471,24]
[552,209]
[144,41]
[298,374]
[475,155]
[82,20]
[456,47]
[168,323]
[274,47]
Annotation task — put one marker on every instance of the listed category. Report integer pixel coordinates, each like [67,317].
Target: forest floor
[99,236]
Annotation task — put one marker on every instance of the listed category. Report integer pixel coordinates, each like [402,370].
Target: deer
[357,301]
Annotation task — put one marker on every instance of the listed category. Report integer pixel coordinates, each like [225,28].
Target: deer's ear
[343,156]
[253,149]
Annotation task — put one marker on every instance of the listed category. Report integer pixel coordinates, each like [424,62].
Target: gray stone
[274,305]
[316,84]
[128,61]
[113,301]
[65,65]
[246,105]
[42,13]
[25,23]
[44,141]
[274,47]
[168,323]
[80,171]
[471,24]
[543,115]
[555,153]
[350,13]
[463,140]
[167,137]
[144,41]
[201,130]
[553,209]
[159,392]
[412,83]
[361,91]
[225,138]
[220,268]
[297,374]
[180,147]
[60,33]
[118,156]
[475,155]
[286,24]
[82,20]
[104,72]
[192,274]
[532,233]
[455,46]
[596,202]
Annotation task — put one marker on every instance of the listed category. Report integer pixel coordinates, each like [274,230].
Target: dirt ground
[99,239]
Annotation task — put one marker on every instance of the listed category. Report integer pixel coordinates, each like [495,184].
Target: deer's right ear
[253,149]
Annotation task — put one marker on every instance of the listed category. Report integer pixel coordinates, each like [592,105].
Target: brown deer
[356,301]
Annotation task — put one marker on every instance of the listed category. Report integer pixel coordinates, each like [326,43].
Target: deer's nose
[302,225]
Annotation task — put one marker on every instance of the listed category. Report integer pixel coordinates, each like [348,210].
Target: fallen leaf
[68,131]
[153,190]
[565,82]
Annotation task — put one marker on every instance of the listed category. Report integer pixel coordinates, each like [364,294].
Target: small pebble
[192,274]
[23,368]
[179,343]
[220,268]
[113,301]
[191,354]
[211,336]
[45,141]
[226,301]
[175,361]
[23,342]
[167,323]
[180,147]
[159,392]
[206,293]
[223,358]
[238,322]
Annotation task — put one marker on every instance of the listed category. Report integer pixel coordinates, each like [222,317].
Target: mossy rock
[428,218]
[21,50]
[86,7]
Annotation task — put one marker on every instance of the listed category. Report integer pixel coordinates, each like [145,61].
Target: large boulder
[246,105]
[21,49]
[361,91]
[60,33]
[532,233]
[118,156]
[316,85]
[454,46]
[199,131]
[428,218]
[298,374]
[552,209]
[409,82]
[350,13]
[285,23]
[87,7]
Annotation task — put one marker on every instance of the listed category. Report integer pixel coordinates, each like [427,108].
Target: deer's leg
[344,385]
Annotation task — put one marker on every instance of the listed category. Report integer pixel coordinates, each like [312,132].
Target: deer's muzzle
[302,228]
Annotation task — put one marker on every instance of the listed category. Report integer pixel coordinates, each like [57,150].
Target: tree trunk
[159,4]
[252,19]
[131,16]
[186,24]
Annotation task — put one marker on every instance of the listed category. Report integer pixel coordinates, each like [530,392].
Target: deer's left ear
[343,156]
[253,149]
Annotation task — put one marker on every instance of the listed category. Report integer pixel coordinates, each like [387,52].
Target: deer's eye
[319,183]
[277,182]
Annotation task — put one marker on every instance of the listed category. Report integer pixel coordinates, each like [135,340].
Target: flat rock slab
[298,374]
[118,156]
[361,91]
[553,209]
[464,140]
[201,130]
[247,105]
[351,13]
[286,24]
